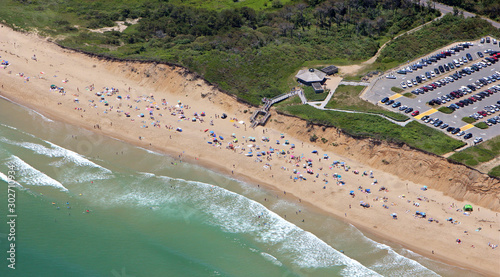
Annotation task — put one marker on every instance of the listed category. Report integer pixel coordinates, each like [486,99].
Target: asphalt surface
[382,88]
[447,9]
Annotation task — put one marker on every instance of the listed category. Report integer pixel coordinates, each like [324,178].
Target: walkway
[347,111]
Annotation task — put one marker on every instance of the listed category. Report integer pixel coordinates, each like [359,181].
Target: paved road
[382,88]
[447,9]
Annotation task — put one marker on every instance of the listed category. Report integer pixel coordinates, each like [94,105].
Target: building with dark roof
[329,70]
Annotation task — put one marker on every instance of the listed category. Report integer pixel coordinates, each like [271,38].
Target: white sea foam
[7,180]
[10,127]
[41,115]
[56,151]
[31,176]
[235,213]
[395,263]
[271,258]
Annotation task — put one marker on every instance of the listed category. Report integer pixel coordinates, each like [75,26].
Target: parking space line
[429,112]
[395,96]
[466,127]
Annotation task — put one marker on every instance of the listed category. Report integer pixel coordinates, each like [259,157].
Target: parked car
[415,113]
[385,99]
[468,136]
[390,102]
[409,110]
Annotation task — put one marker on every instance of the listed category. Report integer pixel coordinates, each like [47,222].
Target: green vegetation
[313,96]
[482,125]
[247,48]
[481,153]
[347,98]
[434,36]
[397,90]
[495,171]
[445,110]
[409,95]
[414,133]
[489,8]
[469,120]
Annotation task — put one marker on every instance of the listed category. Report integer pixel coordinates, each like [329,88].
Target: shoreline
[364,228]
[39,99]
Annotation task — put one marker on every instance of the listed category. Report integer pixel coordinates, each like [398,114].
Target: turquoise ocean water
[152,215]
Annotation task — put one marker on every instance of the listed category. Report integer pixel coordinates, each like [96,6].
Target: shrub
[482,125]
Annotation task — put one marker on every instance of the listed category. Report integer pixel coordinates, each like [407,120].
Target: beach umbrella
[315,151]
[224,116]
[351,192]
[221,138]
[206,130]
[468,208]
[293,145]
[141,115]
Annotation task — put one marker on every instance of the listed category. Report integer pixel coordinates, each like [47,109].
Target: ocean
[88,205]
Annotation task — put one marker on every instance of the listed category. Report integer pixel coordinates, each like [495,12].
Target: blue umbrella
[315,151]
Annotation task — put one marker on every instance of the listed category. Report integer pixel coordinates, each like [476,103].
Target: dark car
[455,131]
[385,99]
[425,117]
[449,129]
[390,102]
[441,69]
[479,54]
[451,65]
[469,56]
[488,40]
[397,104]
[468,136]
[409,110]
[444,126]
[436,70]
[446,67]
[428,75]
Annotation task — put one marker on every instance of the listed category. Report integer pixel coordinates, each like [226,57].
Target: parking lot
[382,89]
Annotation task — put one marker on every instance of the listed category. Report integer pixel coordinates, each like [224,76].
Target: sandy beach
[168,110]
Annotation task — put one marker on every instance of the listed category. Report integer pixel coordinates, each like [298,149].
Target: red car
[415,113]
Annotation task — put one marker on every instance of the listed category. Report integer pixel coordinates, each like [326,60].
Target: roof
[317,86]
[330,69]
[311,75]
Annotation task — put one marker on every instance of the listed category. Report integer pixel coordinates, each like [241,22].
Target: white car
[403,84]
[409,83]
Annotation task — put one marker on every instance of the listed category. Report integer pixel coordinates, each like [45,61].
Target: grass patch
[480,153]
[397,90]
[469,120]
[347,98]
[414,133]
[294,100]
[482,125]
[495,171]
[410,95]
[313,96]
[445,110]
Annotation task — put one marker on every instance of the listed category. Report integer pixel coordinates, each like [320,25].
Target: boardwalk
[264,111]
